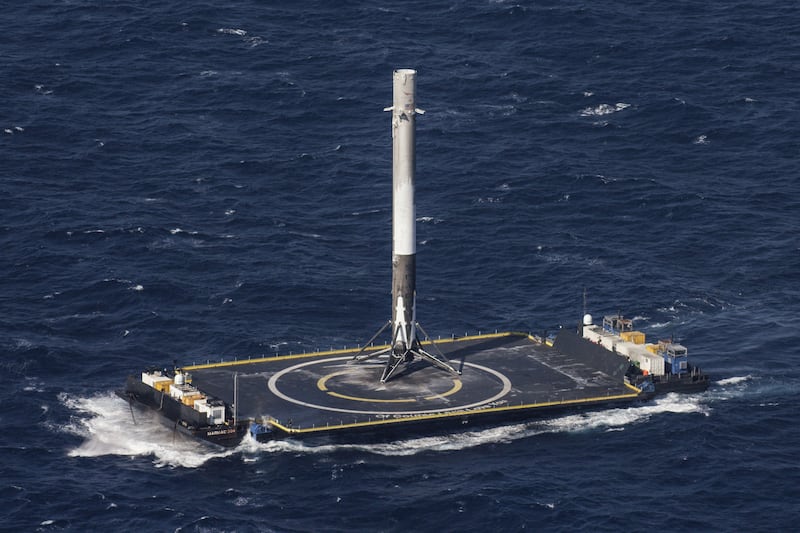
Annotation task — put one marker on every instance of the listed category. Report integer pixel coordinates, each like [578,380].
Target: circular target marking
[322,384]
[455,389]
[273,387]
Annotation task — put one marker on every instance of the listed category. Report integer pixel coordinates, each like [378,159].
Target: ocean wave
[232,31]
[109,426]
[736,380]
[603,109]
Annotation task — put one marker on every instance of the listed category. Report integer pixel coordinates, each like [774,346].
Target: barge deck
[504,376]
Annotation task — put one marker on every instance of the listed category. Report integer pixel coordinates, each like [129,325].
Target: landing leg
[393,364]
[396,358]
[398,354]
[361,356]
[436,361]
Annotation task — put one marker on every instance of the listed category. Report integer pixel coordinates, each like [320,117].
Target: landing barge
[413,385]
[505,378]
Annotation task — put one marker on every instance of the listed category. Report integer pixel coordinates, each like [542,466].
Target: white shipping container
[153,379]
[179,391]
[217,415]
[652,363]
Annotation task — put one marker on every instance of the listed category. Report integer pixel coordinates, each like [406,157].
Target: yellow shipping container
[636,337]
[652,348]
[163,386]
[189,399]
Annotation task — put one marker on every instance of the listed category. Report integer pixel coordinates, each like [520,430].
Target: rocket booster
[404,235]
[405,345]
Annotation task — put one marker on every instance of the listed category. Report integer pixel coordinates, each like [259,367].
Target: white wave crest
[736,380]
[604,109]
[405,447]
[176,231]
[107,425]
[232,31]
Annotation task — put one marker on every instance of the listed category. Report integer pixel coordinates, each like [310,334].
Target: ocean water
[190,181]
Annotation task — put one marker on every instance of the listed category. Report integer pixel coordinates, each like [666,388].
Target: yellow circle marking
[371,400]
[455,389]
[322,385]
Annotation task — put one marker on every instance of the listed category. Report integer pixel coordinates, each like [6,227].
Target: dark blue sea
[211,180]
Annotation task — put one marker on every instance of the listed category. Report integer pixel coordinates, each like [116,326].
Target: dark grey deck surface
[320,390]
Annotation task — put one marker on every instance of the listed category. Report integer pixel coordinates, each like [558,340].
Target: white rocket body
[405,345]
[404,234]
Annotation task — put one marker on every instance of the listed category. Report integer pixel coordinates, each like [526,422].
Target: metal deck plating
[504,376]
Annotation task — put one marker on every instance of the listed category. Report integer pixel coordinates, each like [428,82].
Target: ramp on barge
[504,376]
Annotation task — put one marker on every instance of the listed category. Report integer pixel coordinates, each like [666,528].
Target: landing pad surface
[320,391]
